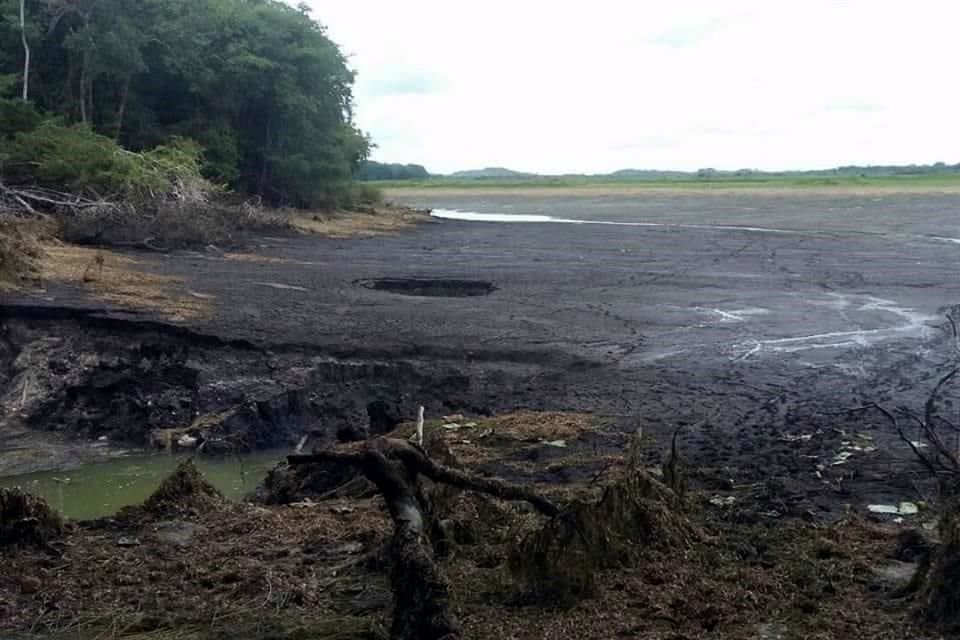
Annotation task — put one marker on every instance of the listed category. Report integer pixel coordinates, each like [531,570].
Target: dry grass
[20,250]
[345,224]
[482,440]
[535,426]
[115,278]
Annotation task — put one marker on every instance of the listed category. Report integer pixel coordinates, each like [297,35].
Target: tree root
[421,591]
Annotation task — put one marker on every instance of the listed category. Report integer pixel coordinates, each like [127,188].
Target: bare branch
[931,467]
[417,462]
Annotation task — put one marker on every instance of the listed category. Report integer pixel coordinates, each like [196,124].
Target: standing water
[102,489]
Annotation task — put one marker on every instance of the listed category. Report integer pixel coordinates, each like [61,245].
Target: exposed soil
[431,287]
[754,342]
[134,383]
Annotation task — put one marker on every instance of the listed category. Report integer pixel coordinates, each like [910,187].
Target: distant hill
[491,172]
[647,173]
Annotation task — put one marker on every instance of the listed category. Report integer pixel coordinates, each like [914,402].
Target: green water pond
[101,489]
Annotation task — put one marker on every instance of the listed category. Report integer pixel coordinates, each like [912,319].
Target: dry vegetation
[370,222]
[117,279]
[30,255]
[661,567]
[20,250]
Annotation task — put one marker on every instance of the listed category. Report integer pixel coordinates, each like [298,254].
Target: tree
[256,82]
[26,52]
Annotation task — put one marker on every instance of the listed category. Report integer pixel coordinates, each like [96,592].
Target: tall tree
[256,82]
[26,51]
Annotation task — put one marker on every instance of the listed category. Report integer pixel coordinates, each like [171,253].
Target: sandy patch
[346,224]
[117,279]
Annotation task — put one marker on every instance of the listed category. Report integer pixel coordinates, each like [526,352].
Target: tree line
[372,170]
[257,85]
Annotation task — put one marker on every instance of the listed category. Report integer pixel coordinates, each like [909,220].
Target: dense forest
[252,90]
[372,170]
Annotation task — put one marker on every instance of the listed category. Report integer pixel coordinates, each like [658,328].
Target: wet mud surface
[751,340]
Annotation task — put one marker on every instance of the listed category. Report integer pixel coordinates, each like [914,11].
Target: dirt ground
[755,341]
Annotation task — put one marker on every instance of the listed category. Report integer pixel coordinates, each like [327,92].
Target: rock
[341,510]
[893,575]
[29,584]
[902,509]
[770,632]
[723,501]
[125,541]
[177,532]
[186,441]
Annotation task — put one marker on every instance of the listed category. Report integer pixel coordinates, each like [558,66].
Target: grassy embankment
[949,182]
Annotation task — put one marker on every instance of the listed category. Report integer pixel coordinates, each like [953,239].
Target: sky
[591,87]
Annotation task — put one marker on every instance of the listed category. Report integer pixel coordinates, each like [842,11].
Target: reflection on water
[101,489]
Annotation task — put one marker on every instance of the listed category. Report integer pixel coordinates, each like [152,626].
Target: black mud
[431,287]
[754,342]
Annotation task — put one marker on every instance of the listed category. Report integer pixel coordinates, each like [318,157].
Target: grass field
[907,182]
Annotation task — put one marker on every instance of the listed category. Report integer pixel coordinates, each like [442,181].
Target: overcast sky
[583,87]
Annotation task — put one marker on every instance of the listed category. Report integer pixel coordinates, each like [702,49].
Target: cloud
[592,87]
[853,105]
[392,80]
[689,34]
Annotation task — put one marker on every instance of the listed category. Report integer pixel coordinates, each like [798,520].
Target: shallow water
[101,489]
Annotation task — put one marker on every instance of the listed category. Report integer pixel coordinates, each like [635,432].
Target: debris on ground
[26,519]
[184,489]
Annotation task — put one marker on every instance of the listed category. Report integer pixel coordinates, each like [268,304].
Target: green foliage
[78,159]
[382,171]
[17,116]
[256,82]
[363,193]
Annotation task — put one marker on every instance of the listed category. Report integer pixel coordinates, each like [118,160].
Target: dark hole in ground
[435,287]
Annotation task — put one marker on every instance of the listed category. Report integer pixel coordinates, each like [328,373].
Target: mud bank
[81,386]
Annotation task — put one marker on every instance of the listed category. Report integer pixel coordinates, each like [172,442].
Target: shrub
[364,193]
[17,116]
[79,160]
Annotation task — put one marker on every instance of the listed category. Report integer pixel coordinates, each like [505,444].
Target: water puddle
[470,216]
[101,489]
[452,214]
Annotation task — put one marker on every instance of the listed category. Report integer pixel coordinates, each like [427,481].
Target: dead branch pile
[26,519]
[561,559]
[188,215]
